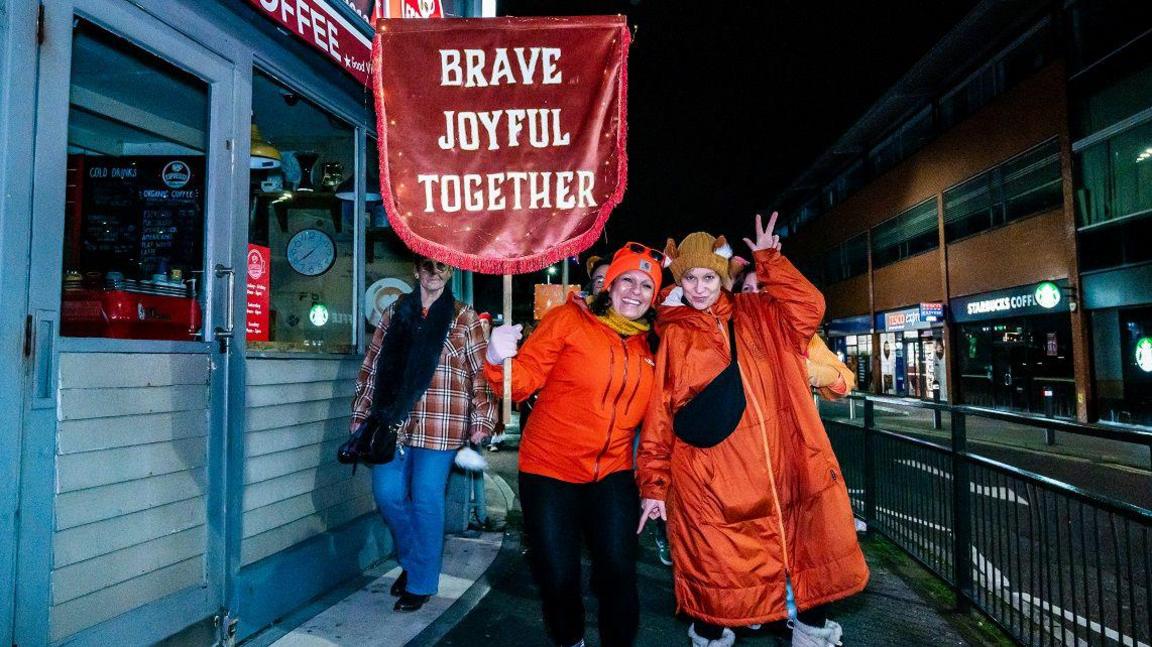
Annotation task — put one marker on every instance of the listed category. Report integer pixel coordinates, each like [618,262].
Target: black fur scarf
[409,353]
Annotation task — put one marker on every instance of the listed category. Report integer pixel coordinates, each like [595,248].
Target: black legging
[556,515]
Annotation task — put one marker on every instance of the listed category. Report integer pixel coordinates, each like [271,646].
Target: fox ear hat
[699,250]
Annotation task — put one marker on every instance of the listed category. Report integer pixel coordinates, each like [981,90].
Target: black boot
[399,585]
[410,601]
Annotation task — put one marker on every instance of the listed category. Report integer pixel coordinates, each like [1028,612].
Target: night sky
[728,105]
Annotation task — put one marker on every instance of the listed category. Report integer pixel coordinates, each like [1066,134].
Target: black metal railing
[1052,563]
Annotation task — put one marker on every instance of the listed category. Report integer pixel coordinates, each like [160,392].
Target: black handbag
[373,443]
[710,417]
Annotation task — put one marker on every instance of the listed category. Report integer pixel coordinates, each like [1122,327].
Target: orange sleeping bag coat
[769,501]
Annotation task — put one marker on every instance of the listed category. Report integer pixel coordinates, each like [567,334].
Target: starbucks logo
[1047,295]
[1144,354]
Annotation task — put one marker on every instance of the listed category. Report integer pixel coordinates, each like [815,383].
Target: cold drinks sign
[502,140]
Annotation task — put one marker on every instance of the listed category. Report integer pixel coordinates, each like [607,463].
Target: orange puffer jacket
[594,388]
[769,501]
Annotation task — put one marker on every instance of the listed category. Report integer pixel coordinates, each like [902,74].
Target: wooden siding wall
[131,484]
[298,413]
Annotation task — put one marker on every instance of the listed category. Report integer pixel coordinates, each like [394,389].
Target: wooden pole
[508,362]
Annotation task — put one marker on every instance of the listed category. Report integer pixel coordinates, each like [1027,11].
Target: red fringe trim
[524,264]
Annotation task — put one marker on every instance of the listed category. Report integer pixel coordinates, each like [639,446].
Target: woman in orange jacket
[591,361]
[826,373]
[756,500]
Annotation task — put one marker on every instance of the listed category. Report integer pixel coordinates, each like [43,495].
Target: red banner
[322,27]
[502,140]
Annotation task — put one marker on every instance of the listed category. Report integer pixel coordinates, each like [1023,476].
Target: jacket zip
[612,420]
[768,463]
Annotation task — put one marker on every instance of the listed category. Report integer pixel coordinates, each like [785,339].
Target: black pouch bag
[373,443]
[710,417]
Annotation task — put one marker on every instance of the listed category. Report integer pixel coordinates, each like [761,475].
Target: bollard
[1049,406]
[937,423]
[869,466]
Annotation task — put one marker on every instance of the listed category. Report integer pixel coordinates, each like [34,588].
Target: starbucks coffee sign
[1037,298]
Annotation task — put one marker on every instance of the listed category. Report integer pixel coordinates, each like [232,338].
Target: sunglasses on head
[637,248]
[430,266]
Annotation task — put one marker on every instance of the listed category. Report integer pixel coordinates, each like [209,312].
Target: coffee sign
[1034,299]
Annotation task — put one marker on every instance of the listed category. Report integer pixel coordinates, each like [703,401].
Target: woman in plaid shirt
[432,348]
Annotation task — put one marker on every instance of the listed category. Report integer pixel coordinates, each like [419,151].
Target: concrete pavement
[487,598]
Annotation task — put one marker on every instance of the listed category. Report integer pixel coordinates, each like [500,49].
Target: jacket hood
[674,310]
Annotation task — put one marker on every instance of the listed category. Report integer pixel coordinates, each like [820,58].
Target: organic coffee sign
[502,141]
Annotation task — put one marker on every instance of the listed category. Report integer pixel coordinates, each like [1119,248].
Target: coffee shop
[196,246]
[1014,348]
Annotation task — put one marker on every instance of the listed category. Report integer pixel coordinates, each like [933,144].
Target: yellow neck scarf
[622,325]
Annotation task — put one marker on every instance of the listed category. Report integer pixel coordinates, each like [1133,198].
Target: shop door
[133,300]
[1010,372]
[914,379]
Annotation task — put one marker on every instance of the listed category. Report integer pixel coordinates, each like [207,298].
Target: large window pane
[1132,171]
[856,255]
[910,233]
[968,208]
[134,211]
[1032,182]
[302,222]
[1117,100]
[920,231]
[1093,195]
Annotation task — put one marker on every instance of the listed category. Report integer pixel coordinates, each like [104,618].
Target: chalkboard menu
[141,215]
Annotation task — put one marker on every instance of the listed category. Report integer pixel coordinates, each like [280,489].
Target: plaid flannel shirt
[458,402]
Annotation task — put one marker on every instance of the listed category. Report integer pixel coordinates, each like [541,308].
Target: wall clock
[311,252]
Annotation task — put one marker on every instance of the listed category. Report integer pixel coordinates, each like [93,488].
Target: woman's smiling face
[631,294]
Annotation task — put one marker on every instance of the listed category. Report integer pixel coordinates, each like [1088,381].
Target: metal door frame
[223,228]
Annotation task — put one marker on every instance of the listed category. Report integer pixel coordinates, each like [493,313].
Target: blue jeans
[409,492]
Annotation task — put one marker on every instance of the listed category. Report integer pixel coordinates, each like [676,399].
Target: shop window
[1136,354]
[1116,177]
[910,233]
[1116,244]
[134,209]
[301,224]
[1027,184]
[388,269]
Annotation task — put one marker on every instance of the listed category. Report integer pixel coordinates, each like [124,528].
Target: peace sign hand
[765,239]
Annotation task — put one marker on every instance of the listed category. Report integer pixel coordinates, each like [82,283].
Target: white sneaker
[726,639]
[808,636]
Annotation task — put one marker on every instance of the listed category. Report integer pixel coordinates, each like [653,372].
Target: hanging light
[264,156]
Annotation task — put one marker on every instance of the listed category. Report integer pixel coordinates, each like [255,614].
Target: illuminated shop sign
[1033,299]
[922,316]
[325,29]
[1144,354]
